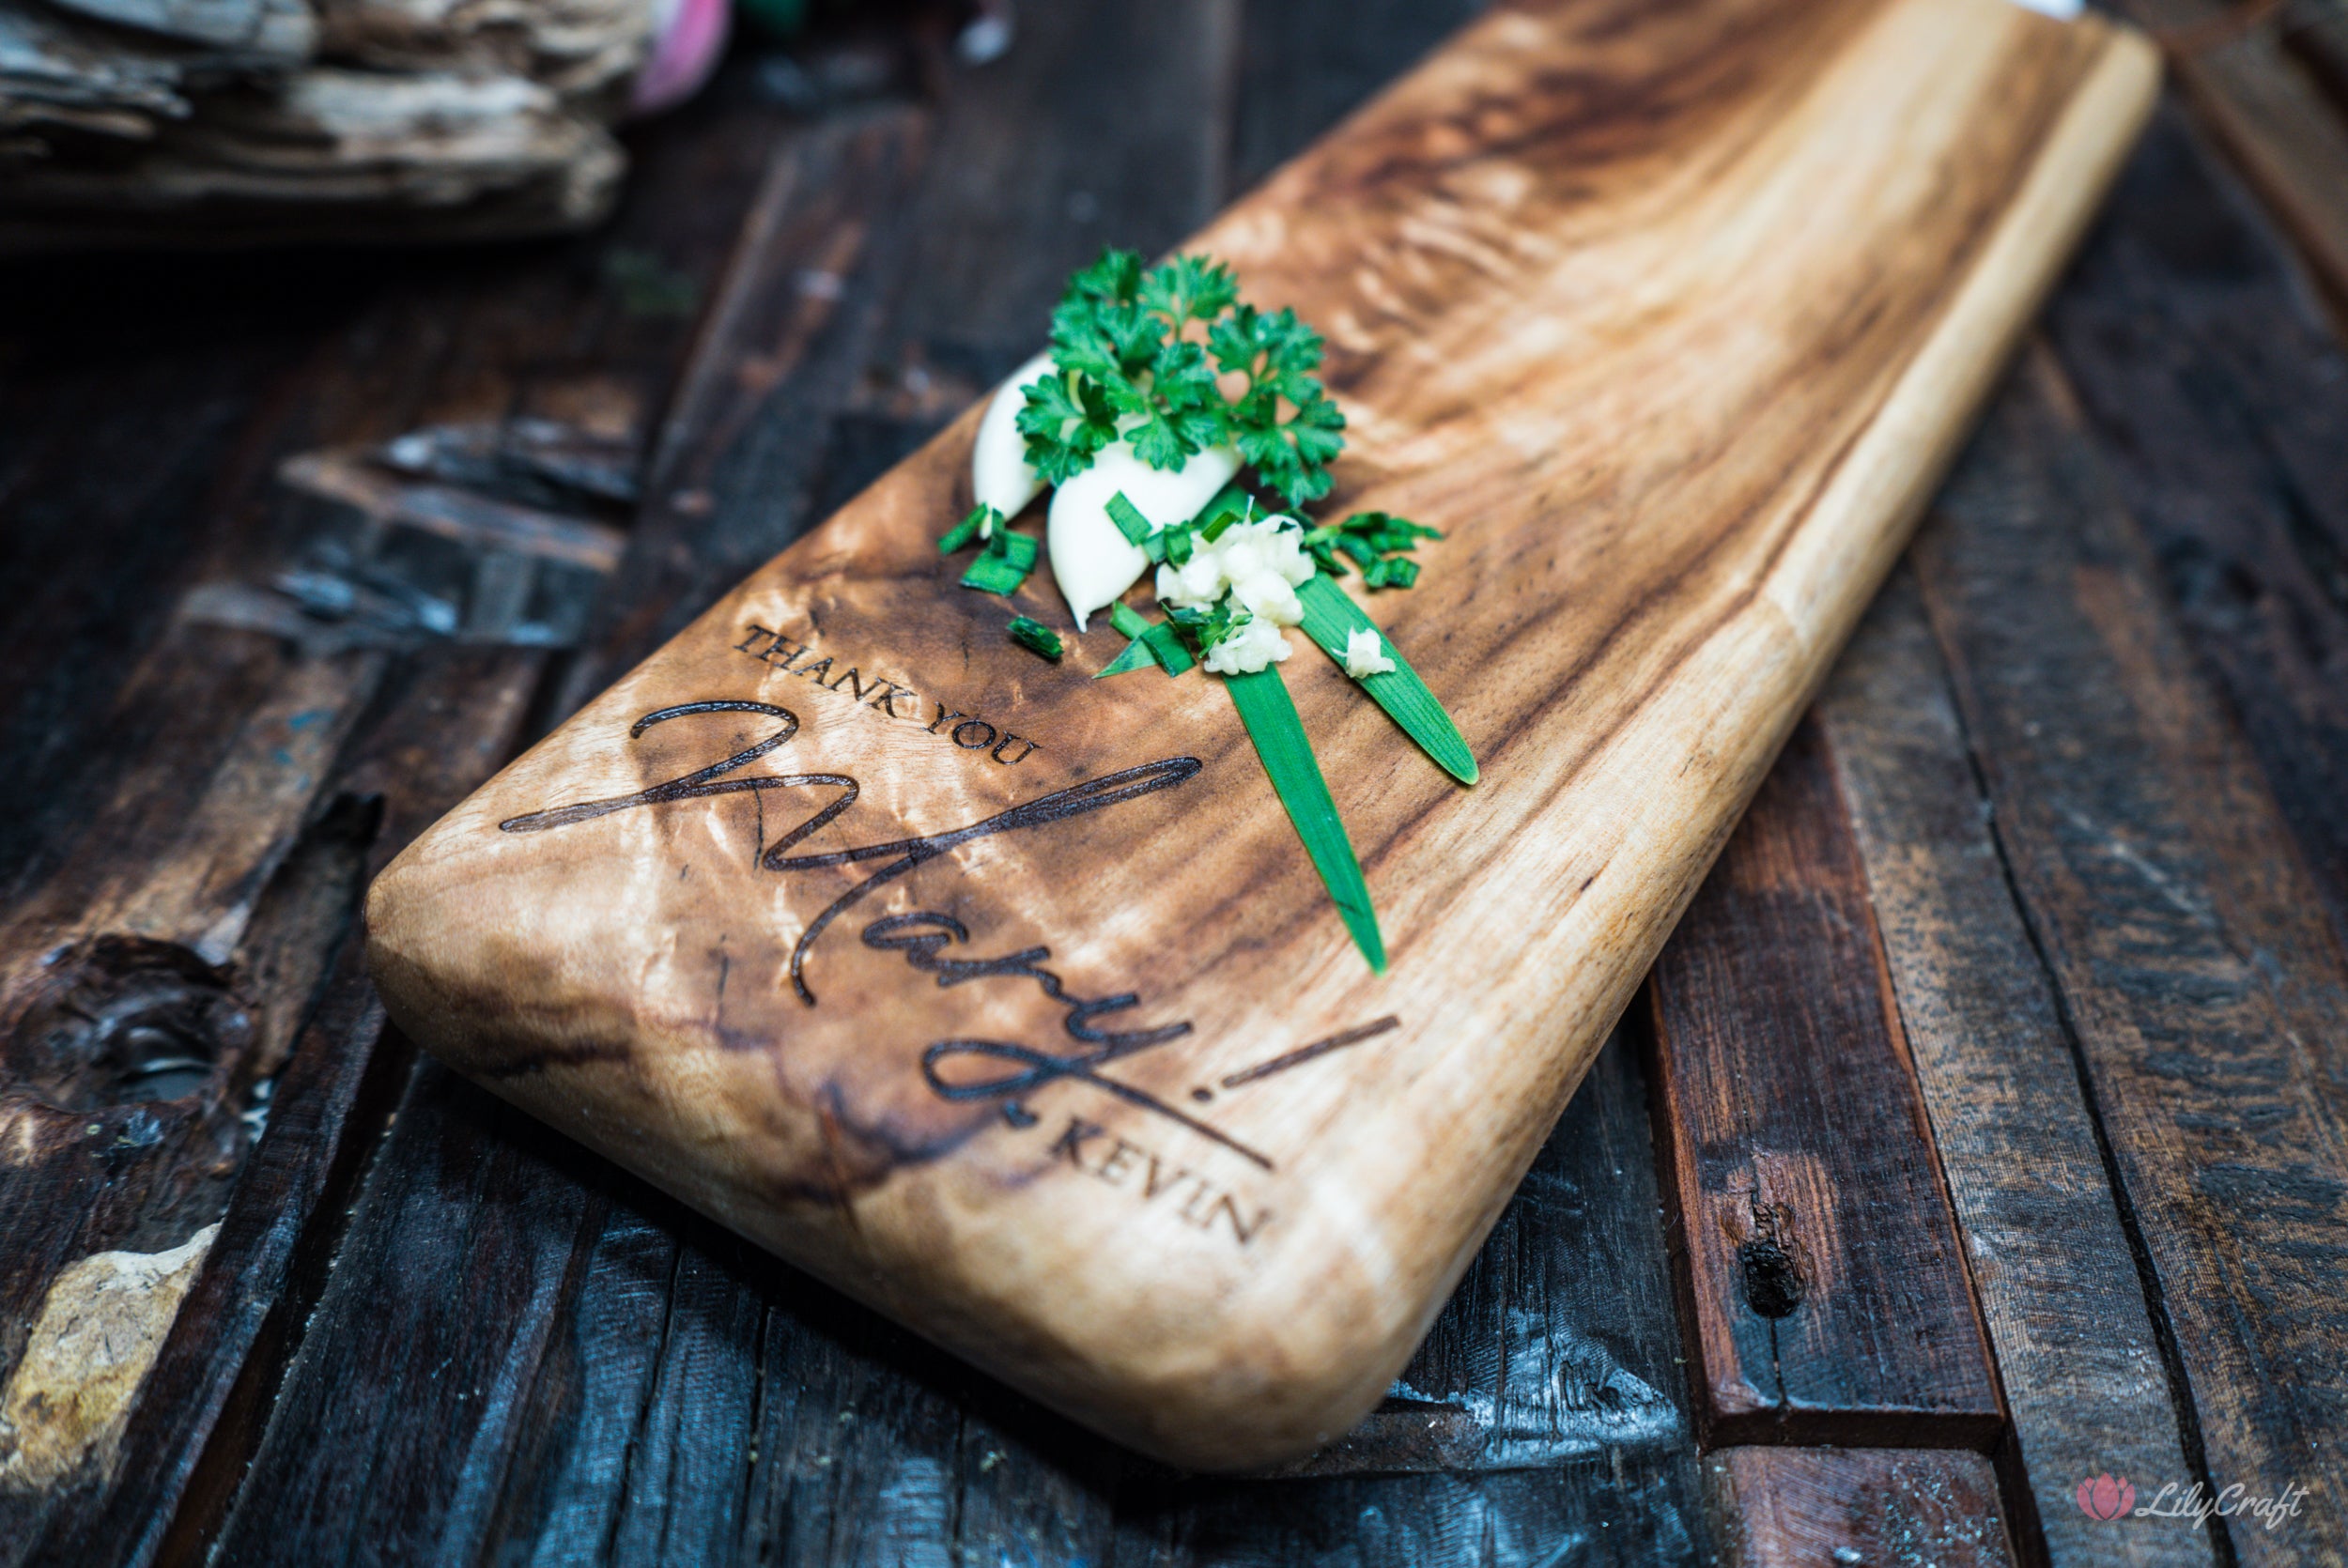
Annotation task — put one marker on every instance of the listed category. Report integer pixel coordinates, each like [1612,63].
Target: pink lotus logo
[2106,1499]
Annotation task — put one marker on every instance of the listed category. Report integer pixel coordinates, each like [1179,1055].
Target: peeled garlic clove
[1000,476]
[1091,558]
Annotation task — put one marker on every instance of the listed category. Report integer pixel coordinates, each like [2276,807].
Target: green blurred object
[780,19]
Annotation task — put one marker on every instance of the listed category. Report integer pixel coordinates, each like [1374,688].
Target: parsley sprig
[1143,354]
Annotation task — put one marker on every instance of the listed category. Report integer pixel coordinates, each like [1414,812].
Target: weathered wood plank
[427,1382]
[1827,1293]
[787,336]
[2199,979]
[1561,1343]
[2077,1355]
[200,1409]
[272,833]
[1800,1507]
[2215,394]
[2273,116]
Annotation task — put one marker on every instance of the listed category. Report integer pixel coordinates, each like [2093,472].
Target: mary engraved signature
[926,937]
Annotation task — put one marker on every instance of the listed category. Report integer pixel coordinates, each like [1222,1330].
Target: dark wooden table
[1983,1130]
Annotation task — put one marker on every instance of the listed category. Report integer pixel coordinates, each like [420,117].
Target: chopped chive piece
[1129,520]
[992,574]
[968,529]
[1177,545]
[1167,643]
[1231,504]
[1137,655]
[1003,566]
[1330,614]
[1233,498]
[1035,637]
[1140,653]
[1378,542]
[1264,706]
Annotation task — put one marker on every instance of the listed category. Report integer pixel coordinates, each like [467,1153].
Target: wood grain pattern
[249,790]
[1234,1282]
[2261,98]
[1560,1345]
[1558,1348]
[2213,391]
[2200,980]
[1829,1298]
[1796,1507]
[2078,1356]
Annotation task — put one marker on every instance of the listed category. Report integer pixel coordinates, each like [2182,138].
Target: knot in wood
[1769,1263]
[123,1020]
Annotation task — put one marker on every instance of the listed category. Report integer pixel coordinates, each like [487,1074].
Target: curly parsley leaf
[1125,339]
[1189,288]
[1278,354]
[1064,428]
[1294,454]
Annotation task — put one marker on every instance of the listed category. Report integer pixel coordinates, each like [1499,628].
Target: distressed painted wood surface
[1666,502]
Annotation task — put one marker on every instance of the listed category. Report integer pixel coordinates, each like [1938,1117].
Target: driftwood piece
[572,46]
[282,29]
[190,121]
[52,72]
[1785,249]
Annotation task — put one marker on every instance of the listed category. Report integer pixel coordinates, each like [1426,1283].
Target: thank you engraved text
[797,654]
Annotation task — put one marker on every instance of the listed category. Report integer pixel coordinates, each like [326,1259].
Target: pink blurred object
[688,36]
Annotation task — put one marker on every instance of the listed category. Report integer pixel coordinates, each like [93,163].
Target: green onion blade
[1330,615]
[1264,706]
[1137,655]
[1230,504]
[1167,643]
[1128,620]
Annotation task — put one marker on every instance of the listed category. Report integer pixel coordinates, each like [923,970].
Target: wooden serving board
[1009,1001]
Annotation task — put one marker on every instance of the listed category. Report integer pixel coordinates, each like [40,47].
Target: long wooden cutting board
[1008,1000]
